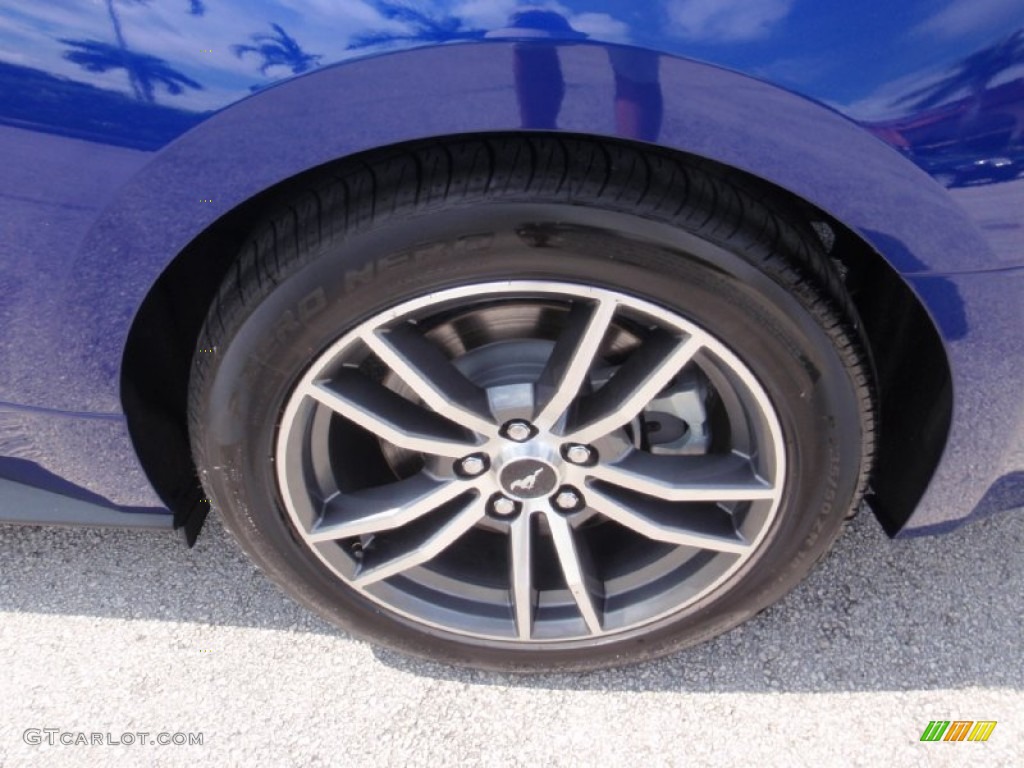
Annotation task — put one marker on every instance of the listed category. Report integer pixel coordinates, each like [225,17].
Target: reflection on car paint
[102,91]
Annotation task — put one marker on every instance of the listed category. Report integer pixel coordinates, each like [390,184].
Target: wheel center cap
[528,478]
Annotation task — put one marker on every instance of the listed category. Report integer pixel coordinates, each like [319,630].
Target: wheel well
[912,373]
[158,356]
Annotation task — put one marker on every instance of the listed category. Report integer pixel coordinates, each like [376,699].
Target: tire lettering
[312,304]
[361,276]
[471,243]
[285,326]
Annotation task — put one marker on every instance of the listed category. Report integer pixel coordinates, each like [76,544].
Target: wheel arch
[891,220]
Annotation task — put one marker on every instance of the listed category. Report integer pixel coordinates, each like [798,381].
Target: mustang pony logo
[526,483]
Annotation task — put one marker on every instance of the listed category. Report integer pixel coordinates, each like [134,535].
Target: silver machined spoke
[424,368]
[390,416]
[579,582]
[385,507]
[714,477]
[646,373]
[423,548]
[524,596]
[571,358]
[661,528]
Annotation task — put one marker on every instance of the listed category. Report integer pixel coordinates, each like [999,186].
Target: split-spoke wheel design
[534,403]
[533,491]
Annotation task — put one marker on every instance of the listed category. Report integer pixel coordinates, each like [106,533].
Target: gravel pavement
[130,632]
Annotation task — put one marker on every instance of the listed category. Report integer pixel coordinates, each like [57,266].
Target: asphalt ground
[112,631]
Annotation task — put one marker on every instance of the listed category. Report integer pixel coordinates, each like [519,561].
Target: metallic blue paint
[127,127]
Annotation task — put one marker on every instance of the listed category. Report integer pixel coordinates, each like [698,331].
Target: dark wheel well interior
[913,377]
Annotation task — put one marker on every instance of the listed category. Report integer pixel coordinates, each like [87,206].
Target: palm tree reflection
[144,72]
[422,28]
[279,49]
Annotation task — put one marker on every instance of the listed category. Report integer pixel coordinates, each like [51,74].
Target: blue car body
[138,137]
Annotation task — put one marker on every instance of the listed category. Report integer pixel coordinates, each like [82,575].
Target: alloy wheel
[530,461]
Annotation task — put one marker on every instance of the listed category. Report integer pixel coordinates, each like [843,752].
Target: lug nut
[567,499]
[503,506]
[578,454]
[519,431]
[472,465]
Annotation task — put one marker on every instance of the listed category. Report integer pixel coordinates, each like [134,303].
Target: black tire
[680,233]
